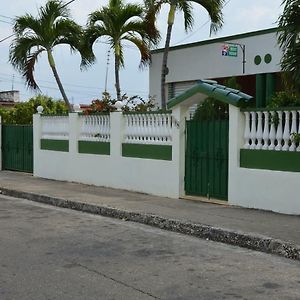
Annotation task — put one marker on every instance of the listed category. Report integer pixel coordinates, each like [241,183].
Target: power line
[7,38]
[94,93]
[6,22]
[13,19]
[74,85]
[6,17]
[199,28]
[68,3]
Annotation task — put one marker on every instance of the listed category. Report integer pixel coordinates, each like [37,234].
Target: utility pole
[107,65]
[13,82]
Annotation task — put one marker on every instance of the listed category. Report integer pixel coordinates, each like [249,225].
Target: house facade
[253,58]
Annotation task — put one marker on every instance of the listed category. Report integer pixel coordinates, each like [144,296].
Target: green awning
[212,89]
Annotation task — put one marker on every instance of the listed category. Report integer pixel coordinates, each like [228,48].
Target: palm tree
[289,39]
[119,22]
[51,28]
[214,9]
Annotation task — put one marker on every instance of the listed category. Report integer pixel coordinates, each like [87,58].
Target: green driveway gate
[17,148]
[206,170]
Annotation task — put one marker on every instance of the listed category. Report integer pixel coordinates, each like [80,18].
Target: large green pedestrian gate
[206,171]
[17,148]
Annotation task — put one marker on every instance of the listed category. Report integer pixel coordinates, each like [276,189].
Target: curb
[241,239]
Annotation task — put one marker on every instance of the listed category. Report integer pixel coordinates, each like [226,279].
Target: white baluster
[266,130]
[272,135]
[293,130]
[259,132]
[286,132]
[279,133]
[253,130]
[247,130]
[298,119]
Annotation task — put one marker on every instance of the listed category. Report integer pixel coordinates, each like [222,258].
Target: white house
[219,59]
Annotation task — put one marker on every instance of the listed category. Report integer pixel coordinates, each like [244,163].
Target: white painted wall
[264,189]
[157,177]
[205,61]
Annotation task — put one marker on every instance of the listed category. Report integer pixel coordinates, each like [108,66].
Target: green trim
[219,40]
[268,58]
[270,86]
[161,152]
[270,160]
[55,145]
[215,90]
[260,84]
[257,60]
[93,147]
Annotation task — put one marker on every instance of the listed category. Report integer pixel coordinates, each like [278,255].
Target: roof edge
[215,90]
[220,39]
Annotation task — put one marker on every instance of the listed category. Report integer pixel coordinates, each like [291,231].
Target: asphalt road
[51,253]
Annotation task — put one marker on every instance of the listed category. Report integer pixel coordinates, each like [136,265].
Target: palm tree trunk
[117,67]
[60,86]
[164,69]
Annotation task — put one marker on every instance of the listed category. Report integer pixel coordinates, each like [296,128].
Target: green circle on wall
[257,60]
[268,58]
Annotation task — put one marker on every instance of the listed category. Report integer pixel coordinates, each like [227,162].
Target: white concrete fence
[146,153]
[263,160]
[272,130]
[133,151]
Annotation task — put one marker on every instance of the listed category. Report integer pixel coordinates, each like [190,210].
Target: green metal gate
[17,148]
[206,170]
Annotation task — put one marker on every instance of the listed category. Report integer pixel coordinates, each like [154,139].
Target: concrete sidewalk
[254,229]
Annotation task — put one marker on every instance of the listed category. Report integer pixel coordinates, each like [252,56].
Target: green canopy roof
[211,88]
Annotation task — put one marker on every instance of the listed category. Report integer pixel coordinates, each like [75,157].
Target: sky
[83,86]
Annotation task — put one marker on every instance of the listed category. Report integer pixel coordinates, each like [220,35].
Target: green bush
[22,112]
[285,99]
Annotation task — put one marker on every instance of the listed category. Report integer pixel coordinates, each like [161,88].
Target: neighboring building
[9,98]
[222,58]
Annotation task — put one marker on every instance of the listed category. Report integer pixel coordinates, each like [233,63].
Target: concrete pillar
[116,134]
[236,142]
[37,135]
[74,131]
[179,115]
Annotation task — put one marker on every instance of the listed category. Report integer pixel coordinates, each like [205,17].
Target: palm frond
[20,49]
[143,49]
[214,9]
[187,9]
[28,69]
[26,24]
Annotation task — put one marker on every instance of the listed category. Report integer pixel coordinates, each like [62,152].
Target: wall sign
[230,50]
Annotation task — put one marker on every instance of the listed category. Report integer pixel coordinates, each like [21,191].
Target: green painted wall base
[270,160]
[55,145]
[161,152]
[90,147]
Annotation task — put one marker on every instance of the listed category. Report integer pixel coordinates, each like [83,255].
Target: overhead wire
[198,29]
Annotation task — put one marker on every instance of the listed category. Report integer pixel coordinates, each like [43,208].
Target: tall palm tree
[289,39]
[214,9]
[119,22]
[52,27]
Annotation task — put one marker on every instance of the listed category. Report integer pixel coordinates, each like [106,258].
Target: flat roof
[221,39]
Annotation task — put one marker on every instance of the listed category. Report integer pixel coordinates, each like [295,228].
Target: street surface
[51,253]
